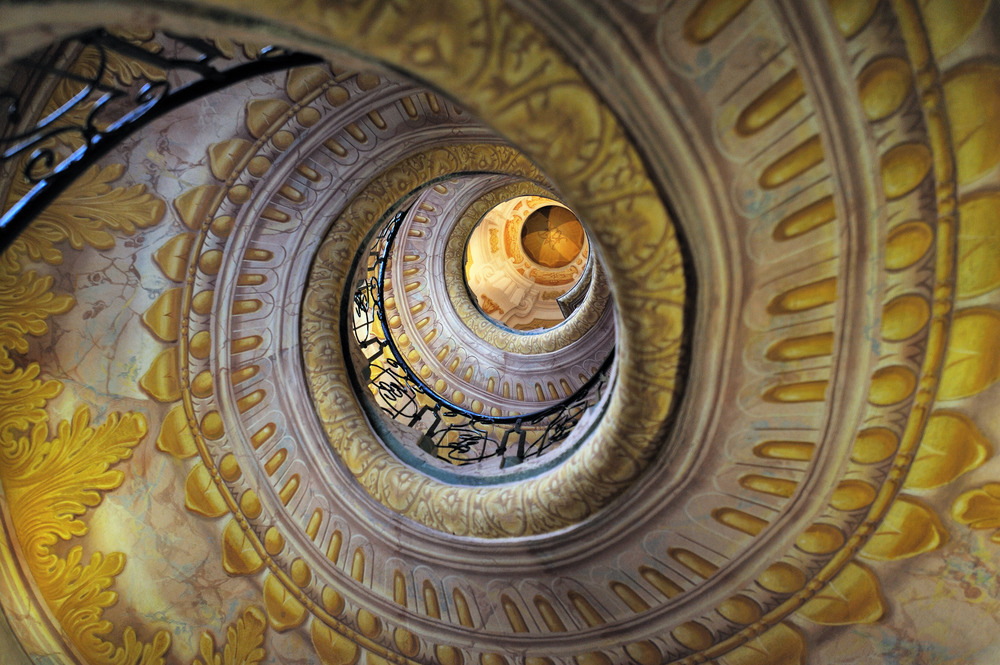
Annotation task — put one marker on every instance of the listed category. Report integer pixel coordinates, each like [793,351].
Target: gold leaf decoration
[262,114]
[50,484]
[195,204]
[853,596]
[134,652]
[972,100]
[224,157]
[972,362]
[117,67]
[173,256]
[175,436]
[333,648]
[852,15]
[710,17]
[26,397]
[949,22]
[979,509]
[978,244]
[84,215]
[201,495]
[162,380]
[26,301]
[910,528]
[951,446]
[238,554]
[303,81]
[244,642]
[284,611]
[56,481]
[163,316]
[781,645]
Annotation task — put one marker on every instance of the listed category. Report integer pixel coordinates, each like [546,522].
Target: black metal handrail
[452,432]
[50,176]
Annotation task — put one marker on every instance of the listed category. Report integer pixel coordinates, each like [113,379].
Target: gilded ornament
[979,509]
[244,642]
[972,98]
[85,214]
[909,528]
[50,485]
[853,596]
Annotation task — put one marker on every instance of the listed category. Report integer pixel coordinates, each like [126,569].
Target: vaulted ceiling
[252,410]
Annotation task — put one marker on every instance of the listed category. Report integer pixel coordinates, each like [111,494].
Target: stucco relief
[828,462]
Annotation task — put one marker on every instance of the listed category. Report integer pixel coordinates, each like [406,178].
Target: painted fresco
[793,213]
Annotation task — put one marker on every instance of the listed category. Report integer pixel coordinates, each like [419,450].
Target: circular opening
[479,414]
[526,264]
[552,237]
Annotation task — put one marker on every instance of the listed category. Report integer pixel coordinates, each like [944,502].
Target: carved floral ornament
[841,308]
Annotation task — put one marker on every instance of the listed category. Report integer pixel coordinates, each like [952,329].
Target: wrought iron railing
[104,110]
[446,430]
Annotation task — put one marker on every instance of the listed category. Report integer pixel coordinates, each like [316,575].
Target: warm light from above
[552,236]
[525,256]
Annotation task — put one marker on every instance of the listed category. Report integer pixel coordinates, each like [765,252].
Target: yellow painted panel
[904,167]
[852,15]
[972,100]
[972,361]
[771,104]
[196,205]
[644,653]
[807,296]
[910,528]
[782,577]
[262,114]
[331,647]
[238,554]
[949,22]
[978,244]
[175,435]
[854,596]
[800,348]
[303,81]
[174,255]
[874,445]
[892,385]
[883,86]
[904,317]
[852,495]
[820,539]
[693,635]
[979,508]
[710,17]
[783,644]
[907,244]
[951,446]
[806,219]
[798,451]
[201,494]
[740,609]
[739,520]
[225,156]
[284,611]
[161,380]
[792,164]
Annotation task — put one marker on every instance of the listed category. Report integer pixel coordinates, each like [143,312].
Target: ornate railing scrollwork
[448,431]
[105,110]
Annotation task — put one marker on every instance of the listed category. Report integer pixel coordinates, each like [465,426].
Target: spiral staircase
[488,333]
